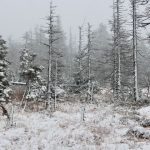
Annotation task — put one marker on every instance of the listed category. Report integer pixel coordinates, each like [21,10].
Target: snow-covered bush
[26,60]
[30,73]
[36,92]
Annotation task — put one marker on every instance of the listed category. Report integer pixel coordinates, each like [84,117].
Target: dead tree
[117,47]
[54,55]
[83,75]
[80,74]
[79,60]
[134,48]
[80,49]
[121,52]
[71,49]
[114,54]
[89,50]
[56,78]
[51,32]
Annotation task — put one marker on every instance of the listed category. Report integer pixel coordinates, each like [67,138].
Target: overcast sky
[19,16]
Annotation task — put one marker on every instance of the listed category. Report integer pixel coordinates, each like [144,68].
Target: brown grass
[18,94]
[36,106]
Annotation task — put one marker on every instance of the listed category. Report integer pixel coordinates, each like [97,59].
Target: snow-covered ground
[104,128]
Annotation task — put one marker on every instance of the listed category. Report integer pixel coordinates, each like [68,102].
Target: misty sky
[19,16]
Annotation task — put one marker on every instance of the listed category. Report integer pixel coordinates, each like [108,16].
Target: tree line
[116,59]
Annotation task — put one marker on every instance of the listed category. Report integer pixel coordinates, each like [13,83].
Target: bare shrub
[18,93]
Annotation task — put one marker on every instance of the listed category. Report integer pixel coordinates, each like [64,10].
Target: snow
[18,83]
[105,91]
[2,100]
[146,147]
[2,74]
[145,112]
[116,147]
[7,92]
[59,91]
[3,63]
[103,128]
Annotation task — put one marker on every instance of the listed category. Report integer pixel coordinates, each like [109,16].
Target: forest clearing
[85,87]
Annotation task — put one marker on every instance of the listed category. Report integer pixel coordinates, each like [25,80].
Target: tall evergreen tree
[4,84]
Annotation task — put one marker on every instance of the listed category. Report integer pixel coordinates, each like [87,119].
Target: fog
[19,16]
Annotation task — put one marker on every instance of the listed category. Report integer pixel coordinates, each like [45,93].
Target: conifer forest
[75,75]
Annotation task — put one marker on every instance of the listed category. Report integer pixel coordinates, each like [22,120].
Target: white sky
[19,16]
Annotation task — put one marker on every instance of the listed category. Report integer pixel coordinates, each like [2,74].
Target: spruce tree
[4,84]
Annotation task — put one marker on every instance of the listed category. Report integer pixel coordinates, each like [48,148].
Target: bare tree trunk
[50,32]
[114,54]
[80,49]
[70,55]
[89,61]
[56,76]
[134,15]
[148,86]
[118,50]
[92,92]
